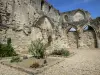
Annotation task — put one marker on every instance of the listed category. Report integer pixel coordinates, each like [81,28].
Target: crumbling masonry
[26,20]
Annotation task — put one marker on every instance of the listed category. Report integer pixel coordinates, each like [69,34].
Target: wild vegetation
[37,49]
[6,50]
[15,59]
[62,52]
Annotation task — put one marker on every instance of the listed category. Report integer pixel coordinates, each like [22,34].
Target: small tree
[37,48]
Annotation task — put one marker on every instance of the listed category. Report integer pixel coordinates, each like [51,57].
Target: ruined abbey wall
[27,20]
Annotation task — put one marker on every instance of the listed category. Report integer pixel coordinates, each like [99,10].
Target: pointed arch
[72,35]
[41,19]
[90,33]
[79,15]
[82,11]
[45,24]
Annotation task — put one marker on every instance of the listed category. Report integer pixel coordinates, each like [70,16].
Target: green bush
[6,50]
[15,59]
[37,48]
[62,52]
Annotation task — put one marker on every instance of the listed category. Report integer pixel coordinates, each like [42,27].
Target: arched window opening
[72,29]
[86,28]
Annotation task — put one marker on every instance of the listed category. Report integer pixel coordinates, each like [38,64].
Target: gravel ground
[4,70]
[84,62]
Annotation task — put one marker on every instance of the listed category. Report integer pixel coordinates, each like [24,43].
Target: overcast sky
[93,6]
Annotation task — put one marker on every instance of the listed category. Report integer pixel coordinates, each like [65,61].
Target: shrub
[15,59]
[62,52]
[37,48]
[35,65]
[6,50]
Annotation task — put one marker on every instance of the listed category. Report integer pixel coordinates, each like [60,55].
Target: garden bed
[25,65]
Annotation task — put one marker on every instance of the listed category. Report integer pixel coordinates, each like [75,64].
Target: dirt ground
[84,62]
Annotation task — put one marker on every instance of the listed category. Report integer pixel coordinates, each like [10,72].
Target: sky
[93,6]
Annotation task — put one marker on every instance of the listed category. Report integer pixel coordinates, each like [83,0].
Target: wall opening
[42,3]
[49,40]
[89,37]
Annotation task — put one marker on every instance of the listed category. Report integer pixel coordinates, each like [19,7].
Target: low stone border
[30,71]
[18,68]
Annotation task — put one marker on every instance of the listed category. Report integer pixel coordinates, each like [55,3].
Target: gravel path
[4,70]
[84,62]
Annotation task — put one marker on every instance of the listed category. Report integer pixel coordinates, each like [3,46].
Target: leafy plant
[6,50]
[37,48]
[15,59]
[62,52]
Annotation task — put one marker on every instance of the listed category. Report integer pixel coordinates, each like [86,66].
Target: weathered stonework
[26,20]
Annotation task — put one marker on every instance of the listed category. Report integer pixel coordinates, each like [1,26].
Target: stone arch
[80,11]
[41,19]
[72,37]
[79,15]
[46,26]
[89,36]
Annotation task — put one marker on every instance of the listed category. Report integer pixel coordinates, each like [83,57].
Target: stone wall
[89,39]
[73,40]
[27,20]
[21,41]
